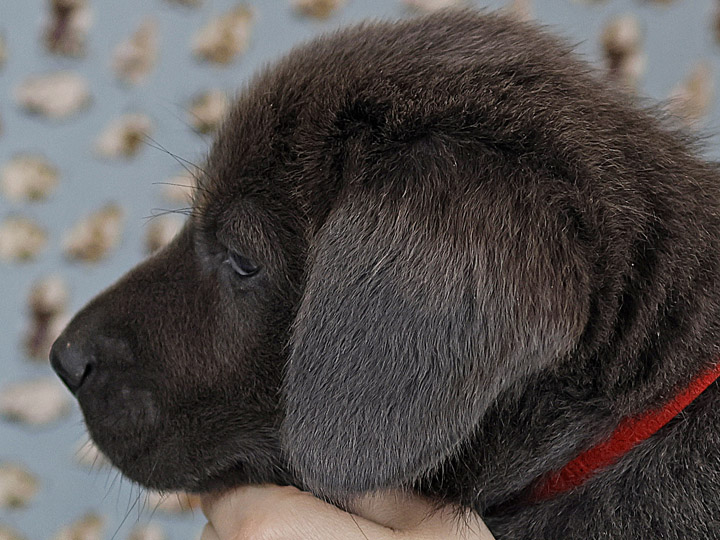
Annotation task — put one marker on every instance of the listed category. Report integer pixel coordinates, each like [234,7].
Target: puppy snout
[72,362]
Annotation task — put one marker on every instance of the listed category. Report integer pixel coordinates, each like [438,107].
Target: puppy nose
[71,363]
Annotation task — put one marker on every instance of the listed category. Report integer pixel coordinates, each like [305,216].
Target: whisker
[93,466]
[141,508]
[359,528]
[204,137]
[119,490]
[84,448]
[159,212]
[110,488]
[161,499]
[185,163]
[193,188]
[178,159]
[127,514]
[83,451]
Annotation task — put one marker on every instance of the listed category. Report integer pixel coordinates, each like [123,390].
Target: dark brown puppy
[461,256]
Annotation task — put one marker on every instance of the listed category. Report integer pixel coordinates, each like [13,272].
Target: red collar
[630,432]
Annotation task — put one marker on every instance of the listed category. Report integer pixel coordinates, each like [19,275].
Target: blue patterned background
[676,36]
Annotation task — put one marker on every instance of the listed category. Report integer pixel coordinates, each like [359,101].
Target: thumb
[415,517]
[283,513]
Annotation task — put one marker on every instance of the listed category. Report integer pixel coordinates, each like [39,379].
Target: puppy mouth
[160,448]
[117,403]
[154,462]
[155,465]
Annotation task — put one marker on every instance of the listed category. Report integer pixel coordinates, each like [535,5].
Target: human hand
[286,513]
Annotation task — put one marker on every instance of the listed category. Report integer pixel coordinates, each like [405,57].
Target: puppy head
[384,239]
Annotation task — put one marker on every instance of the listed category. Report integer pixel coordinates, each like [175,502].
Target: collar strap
[630,432]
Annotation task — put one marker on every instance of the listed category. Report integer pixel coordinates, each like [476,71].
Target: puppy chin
[167,467]
[167,457]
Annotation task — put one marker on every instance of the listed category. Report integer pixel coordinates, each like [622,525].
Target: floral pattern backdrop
[106,106]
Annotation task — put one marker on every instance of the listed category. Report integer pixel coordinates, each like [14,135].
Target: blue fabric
[676,37]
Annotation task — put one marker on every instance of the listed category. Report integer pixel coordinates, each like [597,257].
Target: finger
[208,533]
[449,522]
[287,513]
[416,517]
[395,509]
[242,508]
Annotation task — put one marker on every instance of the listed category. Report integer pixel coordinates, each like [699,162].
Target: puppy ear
[417,312]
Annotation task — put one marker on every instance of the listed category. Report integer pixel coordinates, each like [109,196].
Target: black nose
[72,364]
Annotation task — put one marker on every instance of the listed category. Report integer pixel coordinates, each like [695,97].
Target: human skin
[286,513]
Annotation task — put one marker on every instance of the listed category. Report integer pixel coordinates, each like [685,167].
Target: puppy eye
[242,265]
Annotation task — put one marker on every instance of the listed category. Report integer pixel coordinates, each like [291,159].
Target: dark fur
[477,258]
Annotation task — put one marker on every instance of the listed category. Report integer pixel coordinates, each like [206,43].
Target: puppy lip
[145,468]
[111,411]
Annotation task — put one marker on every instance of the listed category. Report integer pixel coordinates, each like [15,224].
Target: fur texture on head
[440,255]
